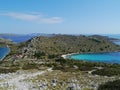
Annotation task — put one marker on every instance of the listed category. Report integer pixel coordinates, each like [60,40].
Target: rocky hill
[62,44]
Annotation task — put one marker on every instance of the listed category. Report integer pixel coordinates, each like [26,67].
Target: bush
[114,85]
[6,70]
[107,71]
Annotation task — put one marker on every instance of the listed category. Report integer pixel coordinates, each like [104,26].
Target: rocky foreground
[49,79]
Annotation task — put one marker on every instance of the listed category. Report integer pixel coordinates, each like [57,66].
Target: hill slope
[63,44]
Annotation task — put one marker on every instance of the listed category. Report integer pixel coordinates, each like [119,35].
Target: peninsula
[37,63]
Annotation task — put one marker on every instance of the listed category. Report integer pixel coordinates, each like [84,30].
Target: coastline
[6,53]
[65,55]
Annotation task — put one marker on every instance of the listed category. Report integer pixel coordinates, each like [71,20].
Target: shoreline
[65,55]
[6,53]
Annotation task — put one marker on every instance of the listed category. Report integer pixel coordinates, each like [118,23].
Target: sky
[60,16]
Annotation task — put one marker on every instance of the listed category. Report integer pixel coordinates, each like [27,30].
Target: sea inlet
[111,57]
[3,52]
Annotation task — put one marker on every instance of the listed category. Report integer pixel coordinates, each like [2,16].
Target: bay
[3,52]
[112,57]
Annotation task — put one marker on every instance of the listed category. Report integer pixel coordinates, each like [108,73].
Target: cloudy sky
[60,16]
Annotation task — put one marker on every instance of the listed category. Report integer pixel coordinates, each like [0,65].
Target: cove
[111,57]
[3,52]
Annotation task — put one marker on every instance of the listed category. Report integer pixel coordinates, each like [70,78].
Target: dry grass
[84,80]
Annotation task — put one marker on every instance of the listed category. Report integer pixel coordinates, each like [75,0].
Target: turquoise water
[113,57]
[3,52]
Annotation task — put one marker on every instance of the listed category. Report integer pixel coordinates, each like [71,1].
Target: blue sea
[17,38]
[112,57]
[3,52]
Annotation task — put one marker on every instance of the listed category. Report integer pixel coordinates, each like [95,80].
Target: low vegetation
[51,47]
[114,85]
[108,71]
[102,69]
[46,52]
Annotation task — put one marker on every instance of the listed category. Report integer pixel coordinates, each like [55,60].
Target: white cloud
[34,17]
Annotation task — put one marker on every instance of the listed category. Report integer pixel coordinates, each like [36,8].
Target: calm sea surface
[18,39]
[113,57]
[3,52]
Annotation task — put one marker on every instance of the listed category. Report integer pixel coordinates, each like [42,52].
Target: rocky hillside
[63,44]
